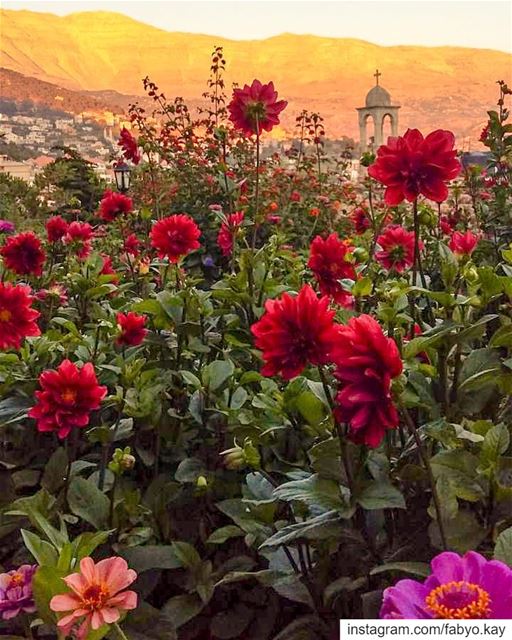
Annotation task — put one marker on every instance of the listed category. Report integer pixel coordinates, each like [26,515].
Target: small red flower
[328,260]
[484,134]
[397,249]
[367,361]
[175,236]
[464,243]
[79,237]
[54,293]
[56,228]
[255,108]
[314,212]
[22,254]
[132,245]
[68,396]
[17,317]
[412,165]
[295,196]
[295,331]
[114,204]
[129,146]
[107,269]
[360,220]
[132,331]
[228,230]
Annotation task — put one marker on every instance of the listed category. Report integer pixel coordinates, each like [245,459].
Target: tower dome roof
[378,97]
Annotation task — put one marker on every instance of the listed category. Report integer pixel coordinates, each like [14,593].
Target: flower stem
[257,187]
[428,467]
[119,631]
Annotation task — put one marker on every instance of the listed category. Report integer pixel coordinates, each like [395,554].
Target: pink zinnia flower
[96,597]
[255,108]
[459,588]
[16,592]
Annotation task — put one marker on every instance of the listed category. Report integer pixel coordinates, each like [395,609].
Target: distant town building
[17,169]
[378,107]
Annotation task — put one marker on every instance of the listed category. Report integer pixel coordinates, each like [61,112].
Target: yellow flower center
[459,601]
[5,315]
[17,580]
[68,395]
[95,596]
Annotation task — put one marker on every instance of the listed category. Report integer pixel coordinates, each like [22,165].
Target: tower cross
[377,75]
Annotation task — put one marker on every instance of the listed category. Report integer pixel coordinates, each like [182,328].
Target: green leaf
[503,548]
[87,542]
[186,554]
[459,469]
[189,470]
[182,608]
[449,265]
[88,502]
[420,569]
[496,443]
[147,623]
[327,525]
[43,552]
[55,470]
[231,623]
[151,557]
[320,494]
[46,583]
[379,495]
[362,287]
[216,373]
[225,533]
[311,408]
[463,533]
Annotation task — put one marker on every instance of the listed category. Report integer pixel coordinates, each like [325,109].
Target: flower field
[249,397]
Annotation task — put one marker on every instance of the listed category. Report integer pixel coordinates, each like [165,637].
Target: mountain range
[105,53]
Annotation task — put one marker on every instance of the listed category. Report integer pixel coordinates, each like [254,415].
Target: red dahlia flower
[114,204]
[129,146]
[22,254]
[56,228]
[17,317]
[255,108]
[132,245]
[360,220]
[79,235]
[328,260]
[175,236]
[107,269]
[366,363]
[132,331]
[228,231]
[464,243]
[68,396]
[412,164]
[397,249]
[295,331]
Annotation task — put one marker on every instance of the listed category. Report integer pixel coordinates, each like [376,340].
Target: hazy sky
[473,23]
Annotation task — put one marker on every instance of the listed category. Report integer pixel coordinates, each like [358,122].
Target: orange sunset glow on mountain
[104,51]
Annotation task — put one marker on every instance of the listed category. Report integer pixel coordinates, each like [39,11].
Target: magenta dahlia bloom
[459,588]
[16,591]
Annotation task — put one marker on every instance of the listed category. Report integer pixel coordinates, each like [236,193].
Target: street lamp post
[122,176]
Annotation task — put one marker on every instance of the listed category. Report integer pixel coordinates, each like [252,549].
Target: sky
[469,23]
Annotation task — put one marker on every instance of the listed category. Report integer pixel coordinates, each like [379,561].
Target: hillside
[100,51]
[18,87]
